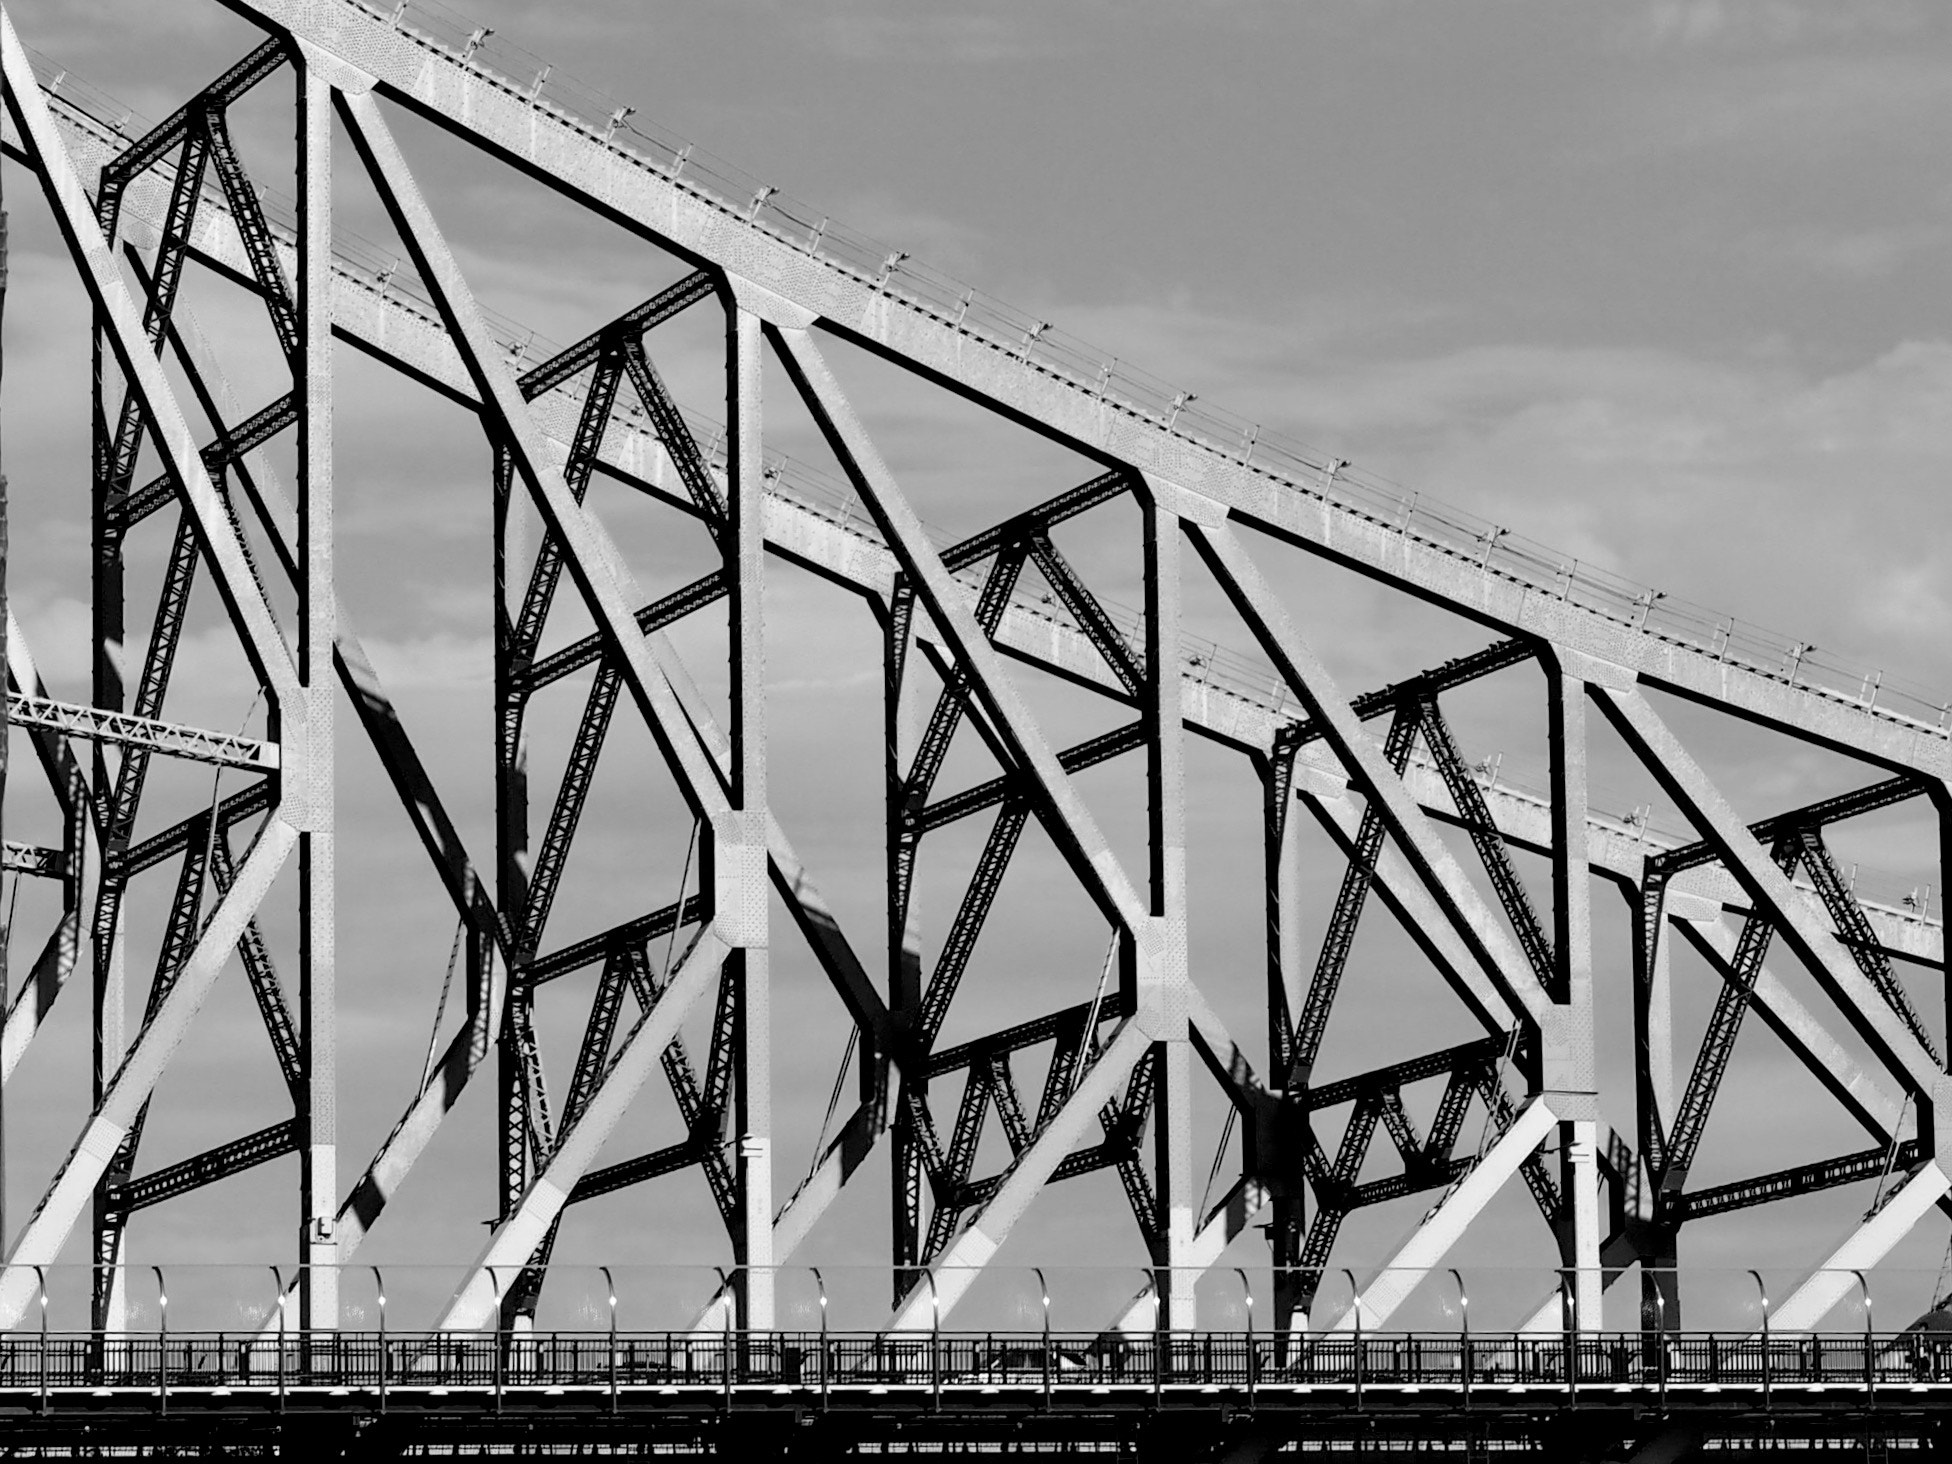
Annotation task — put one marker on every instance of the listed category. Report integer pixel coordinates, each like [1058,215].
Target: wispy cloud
[1732,24]
[916,35]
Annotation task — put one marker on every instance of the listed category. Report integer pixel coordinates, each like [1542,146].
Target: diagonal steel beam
[41,1241]
[515,1239]
[1304,1043]
[1718,1043]
[954,1271]
[592,559]
[264,644]
[1432,861]
[1817,946]
[1851,1082]
[1068,821]
[1413,906]
[1431,1241]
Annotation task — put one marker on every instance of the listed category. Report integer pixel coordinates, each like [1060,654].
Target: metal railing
[824,1362]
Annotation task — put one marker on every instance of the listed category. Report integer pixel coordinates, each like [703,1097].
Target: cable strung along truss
[179,479]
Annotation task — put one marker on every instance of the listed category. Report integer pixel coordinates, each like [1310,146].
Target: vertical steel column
[1567,1066]
[904,975]
[514,645]
[109,941]
[742,840]
[6,935]
[1281,846]
[308,794]
[1653,1013]
[1166,817]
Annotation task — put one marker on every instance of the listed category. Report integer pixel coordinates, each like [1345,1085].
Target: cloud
[918,36]
[1797,106]
[1846,254]
[1668,24]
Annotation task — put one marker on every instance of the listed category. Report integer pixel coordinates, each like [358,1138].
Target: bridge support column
[1567,1065]
[318,1123]
[1164,979]
[749,964]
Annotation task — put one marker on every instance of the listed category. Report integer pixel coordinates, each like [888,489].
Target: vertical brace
[1165,1075]
[745,828]
[309,783]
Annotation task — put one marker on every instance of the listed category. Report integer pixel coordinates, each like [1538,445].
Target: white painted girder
[829,542]
[604,172]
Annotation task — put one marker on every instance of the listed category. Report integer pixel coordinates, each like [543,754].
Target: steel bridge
[1013,697]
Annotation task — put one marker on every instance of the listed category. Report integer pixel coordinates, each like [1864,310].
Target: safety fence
[157,1363]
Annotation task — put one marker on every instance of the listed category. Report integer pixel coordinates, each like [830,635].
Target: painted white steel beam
[514,1241]
[67,1198]
[1865,1246]
[262,641]
[1432,1239]
[592,559]
[1070,824]
[501,115]
[951,1275]
[1435,867]
[1807,934]
[76,800]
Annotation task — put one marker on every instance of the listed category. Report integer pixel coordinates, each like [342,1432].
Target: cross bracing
[678,994]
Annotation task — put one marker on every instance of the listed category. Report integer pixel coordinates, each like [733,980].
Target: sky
[1640,280]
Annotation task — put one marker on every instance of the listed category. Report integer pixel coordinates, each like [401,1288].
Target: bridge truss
[978,634]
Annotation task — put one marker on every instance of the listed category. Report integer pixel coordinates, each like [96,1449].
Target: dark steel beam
[206,1168]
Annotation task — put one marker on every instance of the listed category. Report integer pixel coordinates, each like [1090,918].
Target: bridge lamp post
[379,1291]
[610,1293]
[820,1286]
[1763,1291]
[162,1341]
[1870,1342]
[1247,1290]
[1464,1328]
[1044,1296]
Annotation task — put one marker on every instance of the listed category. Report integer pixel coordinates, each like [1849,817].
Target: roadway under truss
[1492,883]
